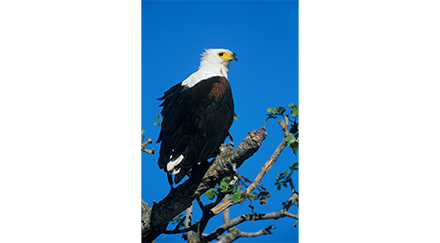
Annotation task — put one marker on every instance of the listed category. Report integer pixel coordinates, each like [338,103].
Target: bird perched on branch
[197,114]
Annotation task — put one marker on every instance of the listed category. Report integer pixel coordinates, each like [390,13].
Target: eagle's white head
[220,58]
[214,62]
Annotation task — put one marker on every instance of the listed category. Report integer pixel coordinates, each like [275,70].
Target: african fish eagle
[197,115]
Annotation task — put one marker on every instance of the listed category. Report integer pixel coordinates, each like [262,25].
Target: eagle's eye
[221,54]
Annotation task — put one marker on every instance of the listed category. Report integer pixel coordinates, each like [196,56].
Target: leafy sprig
[292,139]
[283,178]
[225,187]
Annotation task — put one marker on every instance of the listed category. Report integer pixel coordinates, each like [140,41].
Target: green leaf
[293,142]
[237,188]
[281,110]
[291,105]
[278,187]
[210,194]
[224,185]
[295,147]
[236,196]
[290,139]
[176,219]
[235,116]
[143,132]
[272,110]
[224,189]
[159,121]
[295,111]
[294,166]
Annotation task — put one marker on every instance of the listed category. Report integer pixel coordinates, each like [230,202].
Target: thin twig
[144,144]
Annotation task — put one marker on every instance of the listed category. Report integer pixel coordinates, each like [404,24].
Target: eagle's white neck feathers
[211,65]
[211,60]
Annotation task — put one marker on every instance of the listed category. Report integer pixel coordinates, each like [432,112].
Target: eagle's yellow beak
[229,56]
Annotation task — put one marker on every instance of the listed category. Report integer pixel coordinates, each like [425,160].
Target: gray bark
[156,218]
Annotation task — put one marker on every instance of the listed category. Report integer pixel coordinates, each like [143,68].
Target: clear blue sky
[264,35]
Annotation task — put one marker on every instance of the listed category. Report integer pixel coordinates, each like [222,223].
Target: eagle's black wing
[195,122]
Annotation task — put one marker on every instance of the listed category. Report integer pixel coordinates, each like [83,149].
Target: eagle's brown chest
[219,88]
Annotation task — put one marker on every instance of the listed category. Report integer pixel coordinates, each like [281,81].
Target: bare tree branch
[236,233]
[227,203]
[156,218]
[144,144]
[190,236]
[247,217]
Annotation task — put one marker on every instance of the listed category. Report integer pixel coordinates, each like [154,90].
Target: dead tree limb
[156,218]
[235,233]
[144,144]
